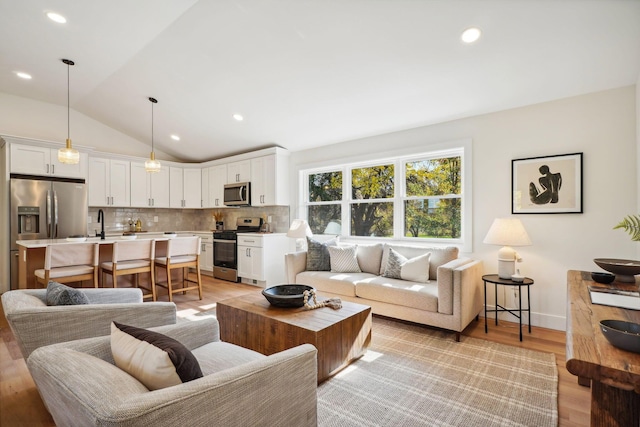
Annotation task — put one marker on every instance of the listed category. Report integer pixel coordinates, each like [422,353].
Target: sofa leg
[478,317]
[457,336]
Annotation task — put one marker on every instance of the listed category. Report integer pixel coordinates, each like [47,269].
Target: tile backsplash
[152,219]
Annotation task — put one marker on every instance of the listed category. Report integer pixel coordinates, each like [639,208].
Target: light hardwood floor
[20,404]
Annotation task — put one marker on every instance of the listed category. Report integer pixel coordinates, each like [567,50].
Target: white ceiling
[306,73]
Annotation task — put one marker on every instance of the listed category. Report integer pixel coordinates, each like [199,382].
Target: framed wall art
[550,184]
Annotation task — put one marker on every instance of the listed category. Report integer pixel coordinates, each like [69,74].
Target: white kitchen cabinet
[109,182]
[204,187]
[39,160]
[239,171]
[261,258]
[149,189]
[206,252]
[184,187]
[217,180]
[269,180]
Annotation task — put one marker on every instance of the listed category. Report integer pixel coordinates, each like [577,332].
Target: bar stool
[69,262]
[132,257]
[182,252]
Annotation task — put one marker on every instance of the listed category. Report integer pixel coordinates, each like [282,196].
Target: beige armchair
[80,384]
[34,324]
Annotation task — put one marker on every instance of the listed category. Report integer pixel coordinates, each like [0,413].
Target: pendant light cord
[68,105]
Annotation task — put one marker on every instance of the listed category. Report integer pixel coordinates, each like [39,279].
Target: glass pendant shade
[68,155]
[152,165]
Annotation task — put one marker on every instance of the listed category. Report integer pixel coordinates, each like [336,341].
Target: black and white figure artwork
[550,184]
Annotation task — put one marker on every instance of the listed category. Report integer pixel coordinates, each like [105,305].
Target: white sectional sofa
[450,297]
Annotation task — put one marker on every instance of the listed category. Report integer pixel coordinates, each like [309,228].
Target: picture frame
[547,184]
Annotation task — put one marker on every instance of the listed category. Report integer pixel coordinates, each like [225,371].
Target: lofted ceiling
[306,73]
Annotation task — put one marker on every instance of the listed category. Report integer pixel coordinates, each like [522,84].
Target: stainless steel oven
[225,248]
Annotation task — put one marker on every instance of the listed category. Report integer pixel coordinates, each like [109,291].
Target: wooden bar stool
[66,263]
[184,253]
[132,257]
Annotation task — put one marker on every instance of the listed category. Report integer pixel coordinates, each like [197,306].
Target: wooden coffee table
[340,336]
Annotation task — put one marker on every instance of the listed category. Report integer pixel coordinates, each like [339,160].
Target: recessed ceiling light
[56,17]
[23,75]
[238,117]
[470,35]
[175,137]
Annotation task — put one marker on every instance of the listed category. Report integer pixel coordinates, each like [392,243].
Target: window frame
[460,148]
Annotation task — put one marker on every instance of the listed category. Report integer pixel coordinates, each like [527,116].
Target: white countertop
[109,239]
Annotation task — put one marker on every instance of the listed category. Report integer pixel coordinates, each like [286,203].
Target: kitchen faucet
[101,220]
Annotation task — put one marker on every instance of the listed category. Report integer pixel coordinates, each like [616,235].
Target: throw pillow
[318,258]
[343,259]
[59,294]
[369,257]
[414,269]
[154,359]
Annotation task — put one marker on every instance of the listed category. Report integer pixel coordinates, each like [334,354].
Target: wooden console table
[614,374]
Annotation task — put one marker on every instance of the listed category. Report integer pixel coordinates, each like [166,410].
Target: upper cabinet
[39,160]
[109,182]
[149,189]
[239,171]
[269,183]
[185,187]
[217,180]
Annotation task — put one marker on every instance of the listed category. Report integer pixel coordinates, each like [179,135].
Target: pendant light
[68,155]
[152,165]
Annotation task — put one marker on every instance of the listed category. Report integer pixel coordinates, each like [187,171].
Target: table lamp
[507,232]
[299,230]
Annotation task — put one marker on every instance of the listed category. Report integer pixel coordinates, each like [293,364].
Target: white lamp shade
[299,229]
[507,232]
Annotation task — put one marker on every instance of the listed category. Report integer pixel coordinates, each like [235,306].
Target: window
[411,198]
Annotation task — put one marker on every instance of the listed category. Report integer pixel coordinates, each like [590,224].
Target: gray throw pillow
[59,294]
[318,257]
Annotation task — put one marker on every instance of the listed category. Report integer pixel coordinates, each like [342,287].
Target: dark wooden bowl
[600,277]
[621,334]
[286,295]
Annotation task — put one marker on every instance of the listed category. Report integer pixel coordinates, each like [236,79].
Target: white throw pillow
[414,269]
[343,259]
[154,359]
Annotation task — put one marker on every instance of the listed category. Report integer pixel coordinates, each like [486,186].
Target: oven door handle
[233,242]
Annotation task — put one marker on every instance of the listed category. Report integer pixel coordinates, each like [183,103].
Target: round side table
[493,278]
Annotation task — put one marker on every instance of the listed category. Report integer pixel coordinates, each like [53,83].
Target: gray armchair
[34,324]
[80,384]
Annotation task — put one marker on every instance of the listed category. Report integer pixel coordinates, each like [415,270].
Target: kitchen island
[31,252]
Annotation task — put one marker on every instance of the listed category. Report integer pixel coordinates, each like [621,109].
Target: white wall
[39,120]
[601,125]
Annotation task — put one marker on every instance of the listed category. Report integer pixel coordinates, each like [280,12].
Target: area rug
[415,376]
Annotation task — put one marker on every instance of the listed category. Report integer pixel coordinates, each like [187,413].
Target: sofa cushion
[343,259]
[439,256]
[369,257]
[154,359]
[59,294]
[218,356]
[318,258]
[335,283]
[414,269]
[423,296]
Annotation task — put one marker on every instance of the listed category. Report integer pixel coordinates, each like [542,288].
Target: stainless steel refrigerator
[45,208]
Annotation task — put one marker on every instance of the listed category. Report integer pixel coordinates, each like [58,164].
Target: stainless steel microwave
[237,194]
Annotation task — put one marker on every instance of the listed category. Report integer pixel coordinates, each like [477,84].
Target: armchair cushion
[59,294]
[154,359]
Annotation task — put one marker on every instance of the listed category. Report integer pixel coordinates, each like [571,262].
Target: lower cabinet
[261,258]
[206,253]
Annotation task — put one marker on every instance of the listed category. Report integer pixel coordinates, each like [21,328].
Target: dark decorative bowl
[624,269]
[605,278]
[621,334]
[286,295]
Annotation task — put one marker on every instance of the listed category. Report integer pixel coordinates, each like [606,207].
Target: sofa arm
[295,263]
[447,281]
[36,326]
